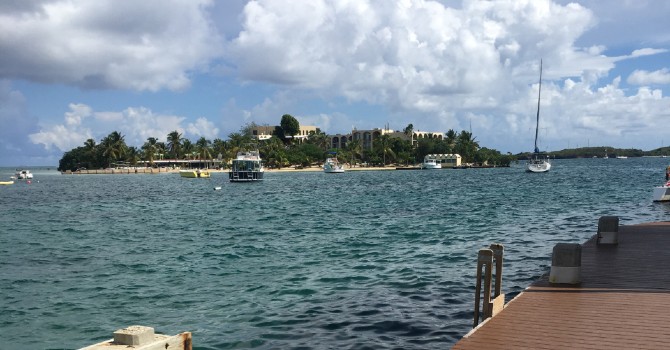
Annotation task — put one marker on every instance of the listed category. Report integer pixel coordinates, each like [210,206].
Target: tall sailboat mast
[537,125]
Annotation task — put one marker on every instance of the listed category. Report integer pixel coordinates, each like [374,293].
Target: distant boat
[194,173]
[430,163]
[6,183]
[23,175]
[332,166]
[621,157]
[538,162]
[247,167]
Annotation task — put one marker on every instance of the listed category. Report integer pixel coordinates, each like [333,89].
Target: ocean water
[361,260]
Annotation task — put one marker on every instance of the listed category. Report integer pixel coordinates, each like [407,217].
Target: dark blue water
[361,260]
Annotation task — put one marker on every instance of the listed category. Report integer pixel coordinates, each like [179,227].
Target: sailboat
[538,162]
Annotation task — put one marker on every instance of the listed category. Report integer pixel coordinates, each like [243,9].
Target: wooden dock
[619,304]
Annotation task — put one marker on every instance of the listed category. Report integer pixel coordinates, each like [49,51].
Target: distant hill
[611,152]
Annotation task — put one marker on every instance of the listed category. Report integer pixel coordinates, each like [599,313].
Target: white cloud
[136,124]
[147,45]
[203,128]
[642,77]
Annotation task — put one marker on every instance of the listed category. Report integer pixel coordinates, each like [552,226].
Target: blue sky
[77,69]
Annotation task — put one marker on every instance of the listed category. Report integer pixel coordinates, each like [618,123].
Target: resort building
[265,132]
[368,137]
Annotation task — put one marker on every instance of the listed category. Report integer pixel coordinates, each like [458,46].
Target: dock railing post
[498,301]
[485,261]
[608,230]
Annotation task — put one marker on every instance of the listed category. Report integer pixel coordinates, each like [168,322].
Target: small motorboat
[6,182]
[194,173]
[332,166]
[430,163]
[24,175]
[662,193]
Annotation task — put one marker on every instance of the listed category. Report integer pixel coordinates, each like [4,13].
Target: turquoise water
[361,260]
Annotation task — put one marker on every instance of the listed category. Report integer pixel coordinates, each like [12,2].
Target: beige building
[368,137]
[265,132]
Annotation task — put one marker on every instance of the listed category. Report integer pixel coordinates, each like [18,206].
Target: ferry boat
[332,166]
[246,167]
[24,175]
[430,163]
[194,173]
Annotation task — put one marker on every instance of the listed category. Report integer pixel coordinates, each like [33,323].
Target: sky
[71,70]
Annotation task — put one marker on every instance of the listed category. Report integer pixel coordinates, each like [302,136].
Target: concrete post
[566,263]
[608,230]
[144,338]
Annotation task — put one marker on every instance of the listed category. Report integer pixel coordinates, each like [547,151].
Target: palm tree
[150,149]
[385,146]
[466,146]
[450,138]
[202,146]
[90,152]
[355,148]
[174,144]
[114,147]
[188,149]
[133,155]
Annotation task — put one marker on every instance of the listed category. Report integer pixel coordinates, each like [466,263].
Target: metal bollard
[566,263]
[608,230]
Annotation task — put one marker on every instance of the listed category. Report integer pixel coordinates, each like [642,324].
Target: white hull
[430,164]
[661,194]
[332,166]
[538,167]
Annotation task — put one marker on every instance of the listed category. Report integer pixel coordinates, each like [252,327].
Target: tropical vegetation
[279,151]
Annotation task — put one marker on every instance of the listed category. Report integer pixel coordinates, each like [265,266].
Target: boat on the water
[538,162]
[662,193]
[332,166]
[23,175]
[6,183]
[246,167]
[194,173]
[430,163]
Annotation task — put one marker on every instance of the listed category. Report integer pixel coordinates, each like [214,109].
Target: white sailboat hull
[538,167]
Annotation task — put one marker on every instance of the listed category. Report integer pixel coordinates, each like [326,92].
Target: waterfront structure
[446,160]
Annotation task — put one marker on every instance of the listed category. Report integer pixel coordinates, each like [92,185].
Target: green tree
[174,144]
[355,149]
[203,147]
[290,126]
[383,145]
[114,147]
[150,149]
[466,146]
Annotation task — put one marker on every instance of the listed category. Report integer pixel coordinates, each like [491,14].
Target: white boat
[246,167]
[24,175]
[538,162]
[621,157]
[194,173]
[430,163]
[662,193]
[332,166]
